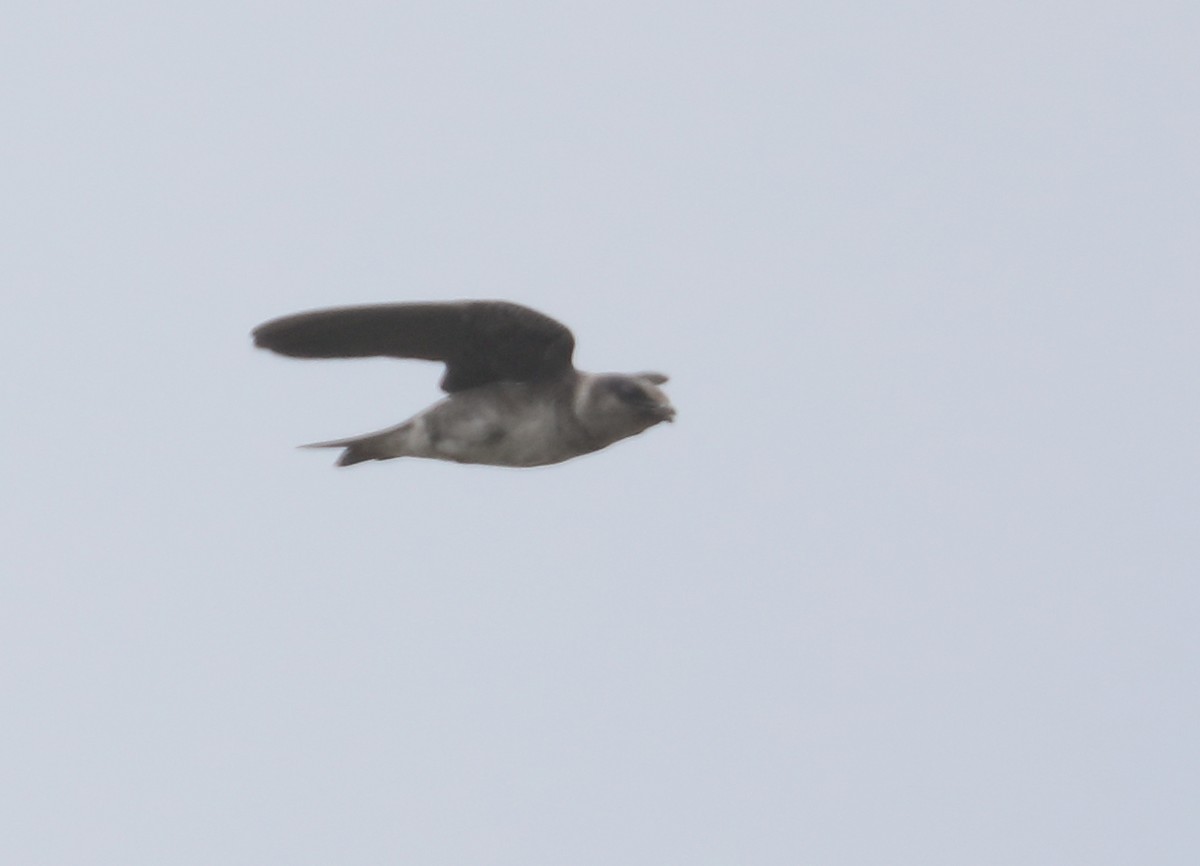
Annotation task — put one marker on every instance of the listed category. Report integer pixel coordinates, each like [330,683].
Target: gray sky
[913,580]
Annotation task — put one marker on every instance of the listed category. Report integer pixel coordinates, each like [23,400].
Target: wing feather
[479,341]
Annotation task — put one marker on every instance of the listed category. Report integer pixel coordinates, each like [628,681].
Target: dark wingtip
[262,335]
[272,337]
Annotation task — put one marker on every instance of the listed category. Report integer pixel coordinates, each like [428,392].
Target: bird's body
[503,424]
[514,397]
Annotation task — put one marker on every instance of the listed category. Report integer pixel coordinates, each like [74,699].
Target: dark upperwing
[479,341]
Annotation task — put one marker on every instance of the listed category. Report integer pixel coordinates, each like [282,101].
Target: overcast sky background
[913,580]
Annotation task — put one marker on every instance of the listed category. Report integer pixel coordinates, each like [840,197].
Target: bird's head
[613,406]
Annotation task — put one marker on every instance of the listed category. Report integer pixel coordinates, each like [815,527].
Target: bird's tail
[359,448]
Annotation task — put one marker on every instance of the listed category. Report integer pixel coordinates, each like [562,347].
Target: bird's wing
[479,341]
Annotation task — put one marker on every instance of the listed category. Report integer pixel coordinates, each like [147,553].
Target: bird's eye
[630,393]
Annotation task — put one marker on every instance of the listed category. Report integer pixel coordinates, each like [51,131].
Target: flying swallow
[514,396]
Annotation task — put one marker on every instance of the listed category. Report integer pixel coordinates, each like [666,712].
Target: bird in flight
[514,396]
